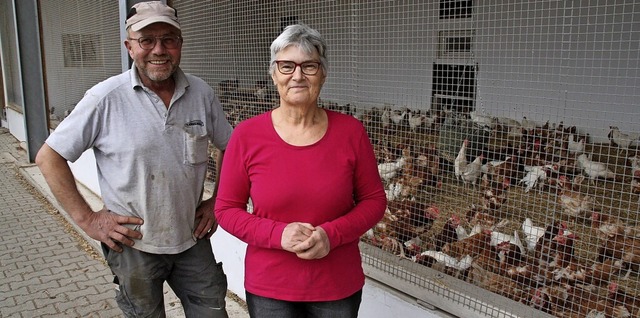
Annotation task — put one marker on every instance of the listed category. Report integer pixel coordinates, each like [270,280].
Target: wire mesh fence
[506,136]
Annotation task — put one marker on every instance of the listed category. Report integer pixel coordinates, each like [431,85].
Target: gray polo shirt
[151,160]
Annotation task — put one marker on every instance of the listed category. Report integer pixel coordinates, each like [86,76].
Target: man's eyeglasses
[307,68]
[168,41]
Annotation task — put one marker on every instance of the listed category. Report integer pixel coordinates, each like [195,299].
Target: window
[455,44]
[452,9]
[82,50]
[454,87]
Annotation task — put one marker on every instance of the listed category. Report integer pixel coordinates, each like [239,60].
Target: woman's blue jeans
[262,307]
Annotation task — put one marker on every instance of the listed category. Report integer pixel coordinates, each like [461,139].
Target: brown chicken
[404,188]
[619,296]
[631,258]
[565,266]
[538,270]
[509,255]
[581,300]
[427,165]
[530,274]
[564,256]
[598,273]
[635,182]
[508,168]
[606,225]
[606,309]
[448,234]
[386,243]
[475,245]
[613,247]
[497,283]
[545,248]
[551,298]
[478,215]
[495,193]
[619,245]
[574,203]
[409,219]
[399,232]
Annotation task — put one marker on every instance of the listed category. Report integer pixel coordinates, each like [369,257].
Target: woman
[313,181]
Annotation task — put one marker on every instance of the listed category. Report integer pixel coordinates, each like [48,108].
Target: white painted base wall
[15,123]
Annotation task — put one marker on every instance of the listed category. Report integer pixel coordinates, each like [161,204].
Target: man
[149,128]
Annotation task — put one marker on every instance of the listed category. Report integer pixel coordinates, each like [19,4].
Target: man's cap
[144,13]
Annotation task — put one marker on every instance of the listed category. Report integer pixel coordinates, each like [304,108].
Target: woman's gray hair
[305,38]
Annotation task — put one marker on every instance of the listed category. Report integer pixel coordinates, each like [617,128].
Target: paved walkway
[48,269]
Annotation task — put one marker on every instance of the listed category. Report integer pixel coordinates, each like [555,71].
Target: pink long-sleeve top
[333,183]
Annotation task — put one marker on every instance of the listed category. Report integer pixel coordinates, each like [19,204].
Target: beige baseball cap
[144,13]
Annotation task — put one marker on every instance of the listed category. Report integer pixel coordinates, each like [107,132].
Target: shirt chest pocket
[195,148]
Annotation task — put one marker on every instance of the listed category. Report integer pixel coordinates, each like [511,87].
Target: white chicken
[490,166]
[460,163]
[388,170]
[487,122]
[385,118]
[535,176]
[462,233]
[393,191]
[510,125]
[472,171]
[431,118]
[498,238]
[575,147]
[531,234]
[528,125]
[508,122]
[448,261]
[416,120]
[398,116]
[622,140]
[594,169]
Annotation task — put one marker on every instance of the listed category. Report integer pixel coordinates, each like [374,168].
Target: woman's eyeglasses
[307,68]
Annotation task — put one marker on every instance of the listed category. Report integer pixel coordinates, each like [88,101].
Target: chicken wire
[538,214]
[540,208]
[81,47]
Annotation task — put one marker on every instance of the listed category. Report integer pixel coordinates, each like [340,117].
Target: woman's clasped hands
[305,240]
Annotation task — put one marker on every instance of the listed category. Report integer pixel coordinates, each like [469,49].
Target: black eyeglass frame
[317,66]
[162,39]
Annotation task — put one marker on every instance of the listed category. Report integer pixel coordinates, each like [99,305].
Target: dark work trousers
[193,275]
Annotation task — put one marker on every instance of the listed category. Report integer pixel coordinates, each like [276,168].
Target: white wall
[571,61]
[84,169]
[567,61]
[15,123]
